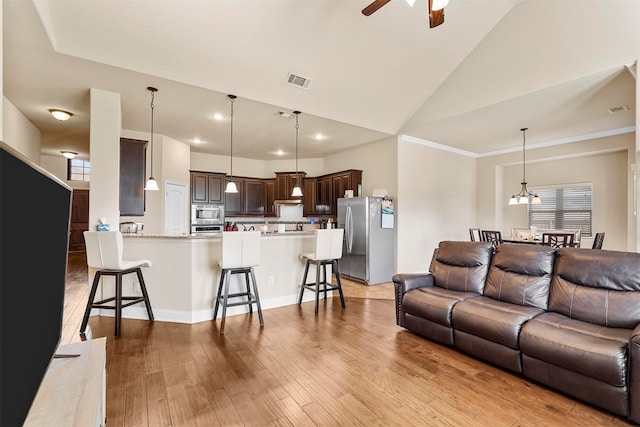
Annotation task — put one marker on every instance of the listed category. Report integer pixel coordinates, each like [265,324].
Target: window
[78,170]
[563,208]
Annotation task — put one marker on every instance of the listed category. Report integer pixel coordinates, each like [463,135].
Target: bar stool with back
[104,253]
[240,254]
[328,250]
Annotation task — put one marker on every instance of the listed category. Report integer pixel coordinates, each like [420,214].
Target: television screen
[35,209]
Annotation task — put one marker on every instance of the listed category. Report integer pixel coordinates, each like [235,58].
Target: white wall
[436,201]
[19,132]
[605,162]
[378,162]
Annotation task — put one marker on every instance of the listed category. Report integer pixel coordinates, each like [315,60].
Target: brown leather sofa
[567,318]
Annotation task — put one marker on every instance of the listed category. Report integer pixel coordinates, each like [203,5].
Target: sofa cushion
[496,321]
[590,350]
[462,266]
[521,274]
[597,286]
[433,303]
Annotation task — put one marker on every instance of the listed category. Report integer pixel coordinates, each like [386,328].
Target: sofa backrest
[521,274]
[597,286]
[461,266]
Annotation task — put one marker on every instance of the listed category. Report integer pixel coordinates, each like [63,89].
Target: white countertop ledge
[214,235]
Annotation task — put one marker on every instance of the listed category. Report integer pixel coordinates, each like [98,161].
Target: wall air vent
[618,109]
[298,81]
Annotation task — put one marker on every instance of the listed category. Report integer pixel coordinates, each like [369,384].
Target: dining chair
[492,236]
[597,241]
[558,240]
[475,234]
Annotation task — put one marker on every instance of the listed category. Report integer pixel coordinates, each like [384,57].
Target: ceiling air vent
[618,109]
[298,81]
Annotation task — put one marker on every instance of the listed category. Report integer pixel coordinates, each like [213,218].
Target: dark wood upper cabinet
[269,197]
[309,196]
[234,202]
[285,181]
[253,197]
[133,155]
[207,188]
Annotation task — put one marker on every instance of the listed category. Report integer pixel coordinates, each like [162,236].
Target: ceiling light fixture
[318,137]
[297,191]
[218,116]
[69,154]
[152,185]
[522,198]
[61,115]
[231,186]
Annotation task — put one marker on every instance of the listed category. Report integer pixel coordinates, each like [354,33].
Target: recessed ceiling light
[196,141]
[218,116]
[280,153]
[60,114]
[318,137]
[69,154]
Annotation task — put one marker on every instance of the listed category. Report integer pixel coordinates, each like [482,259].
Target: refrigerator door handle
[349,222]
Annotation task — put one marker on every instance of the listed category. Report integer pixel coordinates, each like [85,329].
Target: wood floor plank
[341,367]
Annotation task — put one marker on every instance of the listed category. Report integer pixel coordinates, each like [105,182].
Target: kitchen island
[183,280]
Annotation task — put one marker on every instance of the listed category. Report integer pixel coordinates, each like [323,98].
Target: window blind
[563,207]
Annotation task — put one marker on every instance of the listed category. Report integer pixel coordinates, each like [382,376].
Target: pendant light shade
[231,186]
[297,191]
[522,198]
[152,185]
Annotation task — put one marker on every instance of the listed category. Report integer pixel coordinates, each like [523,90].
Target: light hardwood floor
[351,367]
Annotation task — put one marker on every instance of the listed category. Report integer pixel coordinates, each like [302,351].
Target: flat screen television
[35,210]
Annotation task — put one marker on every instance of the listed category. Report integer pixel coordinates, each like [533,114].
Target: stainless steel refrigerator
[368,253]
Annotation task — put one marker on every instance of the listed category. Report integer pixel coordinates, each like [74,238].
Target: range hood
[288,202]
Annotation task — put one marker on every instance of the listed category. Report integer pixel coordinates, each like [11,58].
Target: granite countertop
[213,235]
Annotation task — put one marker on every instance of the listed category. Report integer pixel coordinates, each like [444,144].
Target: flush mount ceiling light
[231,186]
[297,191]
[522,198]
[61,115]
[69,154]
[152,185]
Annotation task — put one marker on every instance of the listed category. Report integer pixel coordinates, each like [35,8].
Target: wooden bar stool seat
[240,254]
[328,250]
[104,253]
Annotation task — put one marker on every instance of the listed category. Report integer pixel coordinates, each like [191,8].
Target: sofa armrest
[404,283]
[634,375]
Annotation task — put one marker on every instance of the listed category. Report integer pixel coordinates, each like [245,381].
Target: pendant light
[522,198]
[297,191]
[231,186]
[152,185]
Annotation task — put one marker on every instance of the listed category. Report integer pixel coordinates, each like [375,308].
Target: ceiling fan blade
[436,17]
[377,4]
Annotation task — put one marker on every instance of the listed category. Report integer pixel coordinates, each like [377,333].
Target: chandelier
[522,198]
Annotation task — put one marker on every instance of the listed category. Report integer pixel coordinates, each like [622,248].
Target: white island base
[183,281]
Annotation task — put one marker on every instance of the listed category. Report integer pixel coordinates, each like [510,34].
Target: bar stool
[104,253]
[240,253]
[328,250]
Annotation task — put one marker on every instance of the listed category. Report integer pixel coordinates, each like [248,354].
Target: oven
[207,215]
[206,229]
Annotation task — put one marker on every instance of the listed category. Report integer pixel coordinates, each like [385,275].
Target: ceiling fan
[436,10]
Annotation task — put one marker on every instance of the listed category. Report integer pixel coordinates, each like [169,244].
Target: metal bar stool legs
[117,299]
[326,285]
[222,297]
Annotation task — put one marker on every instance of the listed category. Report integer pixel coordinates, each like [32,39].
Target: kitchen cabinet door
[285,181]
[347,180]
[324,194]
[215,188]
[234,202]
[199,188]
[309,196]
[269,197]
[253,197]
[133,159]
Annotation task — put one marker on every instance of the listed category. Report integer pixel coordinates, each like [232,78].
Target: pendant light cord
[297,113]
[524,179]
[232,99]
[153,91]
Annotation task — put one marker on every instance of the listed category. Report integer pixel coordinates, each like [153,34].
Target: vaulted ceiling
[494,66]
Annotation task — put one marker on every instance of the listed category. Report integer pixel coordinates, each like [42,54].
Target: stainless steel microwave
[207,214]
